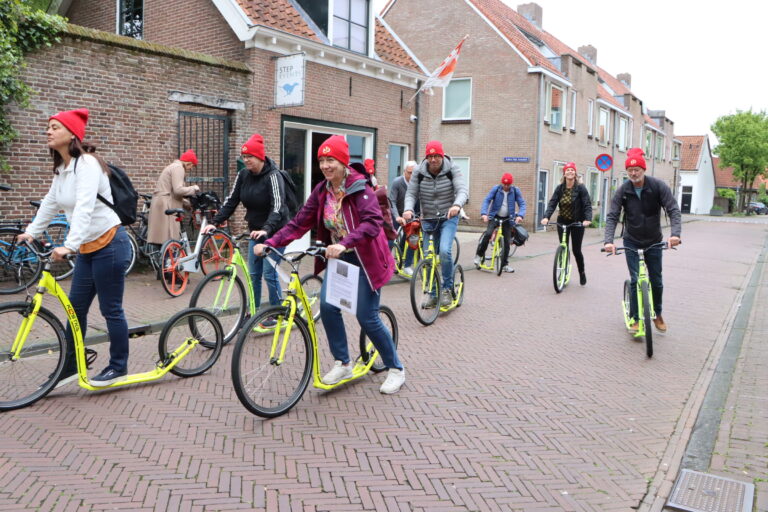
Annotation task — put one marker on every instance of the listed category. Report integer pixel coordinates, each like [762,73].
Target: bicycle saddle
[174,211]
[36,204]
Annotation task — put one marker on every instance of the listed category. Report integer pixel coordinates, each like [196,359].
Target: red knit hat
[569,165]
[189,156]
[435,147]
[335,147]
[74,121]
[507,179]
[255,147]
[369,166]
[635,158]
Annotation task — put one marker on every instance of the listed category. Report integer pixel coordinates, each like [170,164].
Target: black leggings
[576,235]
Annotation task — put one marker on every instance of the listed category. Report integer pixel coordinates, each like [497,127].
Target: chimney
[589,52]
[626,79]
[532,12]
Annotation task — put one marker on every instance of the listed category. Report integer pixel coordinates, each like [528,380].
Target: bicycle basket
[412,234]
[520,236]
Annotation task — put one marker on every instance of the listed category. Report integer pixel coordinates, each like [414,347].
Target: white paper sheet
[341,290]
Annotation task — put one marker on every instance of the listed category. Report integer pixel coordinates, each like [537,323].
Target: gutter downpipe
[416,124]
[537,163]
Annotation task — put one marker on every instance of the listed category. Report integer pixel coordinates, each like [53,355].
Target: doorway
[541,197]
[685,204]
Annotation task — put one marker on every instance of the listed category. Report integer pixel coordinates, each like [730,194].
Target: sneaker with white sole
[338,373]
[408,271]
[508,269]
[478,260]
[106,377]
[446,299]
[429,303]
[395,380]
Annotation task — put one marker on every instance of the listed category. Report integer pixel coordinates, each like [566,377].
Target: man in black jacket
[642,198]
[261,190]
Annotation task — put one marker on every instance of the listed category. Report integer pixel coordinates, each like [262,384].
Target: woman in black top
[575,205]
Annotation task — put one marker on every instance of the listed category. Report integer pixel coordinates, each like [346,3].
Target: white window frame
[557,173]
[573,110]
[607,131]
[622,138]
[464,172]
[563,101]
[445,95]
[119,19]
[594,177]
[658,149]
[646,149]
[590,117]
[370,39]
[631,135]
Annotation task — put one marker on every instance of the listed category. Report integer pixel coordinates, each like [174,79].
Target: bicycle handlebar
[45,254]
[663,245]
[317,251]
[5,188]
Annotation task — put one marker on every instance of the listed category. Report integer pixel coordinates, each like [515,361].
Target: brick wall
[133,123]
[195,25]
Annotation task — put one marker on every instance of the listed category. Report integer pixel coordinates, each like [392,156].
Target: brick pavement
[552,408]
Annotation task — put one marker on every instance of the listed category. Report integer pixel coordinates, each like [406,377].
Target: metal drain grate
[700,492]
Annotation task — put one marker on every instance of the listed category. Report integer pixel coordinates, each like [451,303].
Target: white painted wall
[702,181]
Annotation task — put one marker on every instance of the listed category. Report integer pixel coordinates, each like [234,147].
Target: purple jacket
[362,217]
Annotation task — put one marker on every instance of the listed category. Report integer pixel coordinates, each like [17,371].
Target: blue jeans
[368,318]
[653,264]
[444,232]
[102,273]
[259,267]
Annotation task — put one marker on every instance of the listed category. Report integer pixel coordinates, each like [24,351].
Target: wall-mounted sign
[289,80]
[604,162]
[523,159]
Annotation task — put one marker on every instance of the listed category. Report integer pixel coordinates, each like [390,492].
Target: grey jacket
[436,194]
[397,196]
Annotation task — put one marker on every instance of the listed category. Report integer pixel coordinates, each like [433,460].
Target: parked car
[757,207]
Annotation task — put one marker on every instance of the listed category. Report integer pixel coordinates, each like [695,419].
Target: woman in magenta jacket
[346,214]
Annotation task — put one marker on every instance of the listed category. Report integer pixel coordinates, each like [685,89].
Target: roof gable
[690,152]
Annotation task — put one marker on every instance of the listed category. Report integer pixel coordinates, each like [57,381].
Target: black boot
[582,278]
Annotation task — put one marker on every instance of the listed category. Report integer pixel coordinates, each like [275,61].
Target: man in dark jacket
[260,188]
[642,198]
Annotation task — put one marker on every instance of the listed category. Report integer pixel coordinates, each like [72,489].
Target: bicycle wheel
[367,349]
[625,303]
[397,255]
[35,372]
[425,291]
[185,326]
[559,268]
[265,386]
[216,253]
[55,234]
[134,253]
[312,285]
[173,278]
[19,267]
[458,284]
[645,292]
[222,293]
[455,250]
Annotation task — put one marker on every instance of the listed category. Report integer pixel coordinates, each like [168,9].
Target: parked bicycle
[33,345]
[645,310]
[561,270]
[211,252]
[426,297]
[498,257]
[271,376]
[228,293]
[137,235]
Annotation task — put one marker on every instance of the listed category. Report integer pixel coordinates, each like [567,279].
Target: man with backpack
[641,198]
[439,187]
[500,204]
[261,188]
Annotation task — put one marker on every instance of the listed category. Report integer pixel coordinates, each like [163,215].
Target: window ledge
[589,136]
[546,122]
[573,130]
[457,121]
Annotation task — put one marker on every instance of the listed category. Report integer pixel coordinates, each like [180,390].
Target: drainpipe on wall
[416,123]
[537,163]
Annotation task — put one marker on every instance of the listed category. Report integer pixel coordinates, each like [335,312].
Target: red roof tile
[690,151]
[277,14]
[651,122]
[604,95]
[387,47]
[724,177]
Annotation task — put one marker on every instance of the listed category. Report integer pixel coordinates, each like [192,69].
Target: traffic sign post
[604,162]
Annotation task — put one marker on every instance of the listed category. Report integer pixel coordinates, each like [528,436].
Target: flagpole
[428,82]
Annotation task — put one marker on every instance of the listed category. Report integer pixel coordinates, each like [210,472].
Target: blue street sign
[523,159]
[604,162]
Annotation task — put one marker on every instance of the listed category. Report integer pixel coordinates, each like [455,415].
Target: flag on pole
[444,72]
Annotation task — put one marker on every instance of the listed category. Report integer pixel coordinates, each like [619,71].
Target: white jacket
[74,190]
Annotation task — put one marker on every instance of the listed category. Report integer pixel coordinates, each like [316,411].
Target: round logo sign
[604,162]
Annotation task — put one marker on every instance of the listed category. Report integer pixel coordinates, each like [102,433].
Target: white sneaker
[478,260]
[408,271]
[395,380]
[508,269]
[338,373]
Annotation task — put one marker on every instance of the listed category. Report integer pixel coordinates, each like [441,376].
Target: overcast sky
[695,62]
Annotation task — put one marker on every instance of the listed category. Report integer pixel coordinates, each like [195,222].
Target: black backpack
[124,195]
[291,197]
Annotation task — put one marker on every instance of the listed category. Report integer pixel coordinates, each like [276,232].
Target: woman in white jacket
[95,234]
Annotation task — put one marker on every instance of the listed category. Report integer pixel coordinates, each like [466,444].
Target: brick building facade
[534,103]
[205,78]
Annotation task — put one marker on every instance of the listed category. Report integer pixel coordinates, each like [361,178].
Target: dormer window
[545,50]
[130,18]
[350,25]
